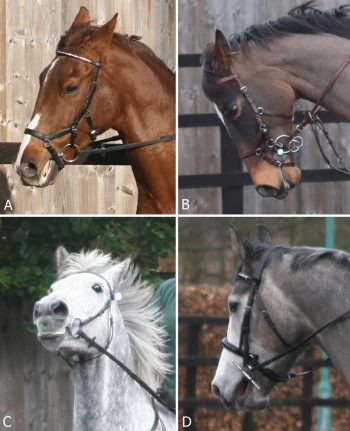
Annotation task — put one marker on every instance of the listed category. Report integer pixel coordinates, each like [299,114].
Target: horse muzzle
[32,175]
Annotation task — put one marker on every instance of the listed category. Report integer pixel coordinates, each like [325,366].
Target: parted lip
[240,391]
[51,334]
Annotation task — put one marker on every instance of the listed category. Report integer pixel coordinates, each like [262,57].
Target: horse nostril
[59,308]
[28,170]
[267,191]
[37,311]
[215,390]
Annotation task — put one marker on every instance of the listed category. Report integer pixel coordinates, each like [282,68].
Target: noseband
[264,141]
[251,363]
[98,146]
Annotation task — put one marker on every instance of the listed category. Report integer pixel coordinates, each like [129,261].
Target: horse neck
[310,298]
[309,63]
[105,397]
[144,108]
[144,94]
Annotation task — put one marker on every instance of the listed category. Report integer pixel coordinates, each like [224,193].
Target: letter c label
[7,422]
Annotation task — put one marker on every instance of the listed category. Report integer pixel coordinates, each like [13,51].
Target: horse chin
[72,347]
[252,399]
[246,396]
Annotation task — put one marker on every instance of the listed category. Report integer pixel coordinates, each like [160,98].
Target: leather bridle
[251,364]
[75,329]
[73,128]
[98,146]
[264,141]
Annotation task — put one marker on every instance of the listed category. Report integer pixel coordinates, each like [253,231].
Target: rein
[98,146]
[280,152]
[251,364]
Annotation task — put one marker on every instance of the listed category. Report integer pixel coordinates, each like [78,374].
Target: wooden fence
[192,360]
[210,172]
[29,33]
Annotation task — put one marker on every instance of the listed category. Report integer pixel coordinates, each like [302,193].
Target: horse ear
[237,243]
[117,272]
[61,256]
[83,17]
[104,33]
[221,57]
[264,235]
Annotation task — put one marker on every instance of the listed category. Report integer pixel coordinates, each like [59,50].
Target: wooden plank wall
[35,385]
[78,190]
[29,33]
[199,149]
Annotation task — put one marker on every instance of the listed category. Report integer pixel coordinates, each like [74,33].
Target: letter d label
[186,421]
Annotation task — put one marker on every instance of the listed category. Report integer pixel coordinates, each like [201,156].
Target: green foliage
[27,247]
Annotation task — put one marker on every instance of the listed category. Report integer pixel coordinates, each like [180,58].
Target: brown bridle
[265,142]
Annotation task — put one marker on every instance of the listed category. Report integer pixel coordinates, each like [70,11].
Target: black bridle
[75,329]
[280,151]
[98,146]
[251,363]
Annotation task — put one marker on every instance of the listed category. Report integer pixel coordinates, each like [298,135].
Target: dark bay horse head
[274,110]
[64,89]
[288,295]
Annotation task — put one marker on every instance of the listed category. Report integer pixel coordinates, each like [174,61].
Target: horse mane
[303,19]
[141,316]
[77,37]
[302,257]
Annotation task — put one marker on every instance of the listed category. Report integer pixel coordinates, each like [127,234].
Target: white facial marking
[50,70]
[26,139]
[220,115]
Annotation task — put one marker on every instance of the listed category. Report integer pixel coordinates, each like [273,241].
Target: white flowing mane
[140,314]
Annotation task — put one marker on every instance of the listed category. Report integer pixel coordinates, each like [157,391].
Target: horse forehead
[62,67]
[81,279]
[50,70]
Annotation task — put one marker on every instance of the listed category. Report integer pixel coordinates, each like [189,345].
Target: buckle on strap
[245,277]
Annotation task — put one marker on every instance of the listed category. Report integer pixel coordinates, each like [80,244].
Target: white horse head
[110,302]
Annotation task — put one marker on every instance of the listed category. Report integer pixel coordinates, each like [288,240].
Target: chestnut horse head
[102,80]
[257,108]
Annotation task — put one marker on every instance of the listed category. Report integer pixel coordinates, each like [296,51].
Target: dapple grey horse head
[113,306]
[302,289]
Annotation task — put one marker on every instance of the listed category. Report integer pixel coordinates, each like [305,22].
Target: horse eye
[233,306]
[231,111]
[97,288]
[71,89]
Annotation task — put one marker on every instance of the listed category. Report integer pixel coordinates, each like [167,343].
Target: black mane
[302,257]
[304,19]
